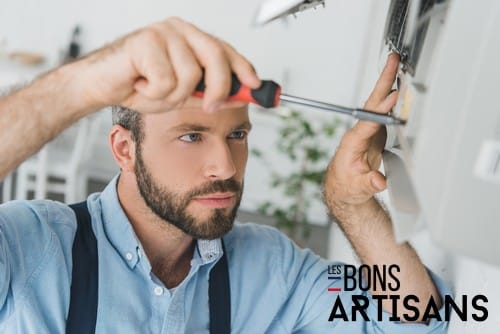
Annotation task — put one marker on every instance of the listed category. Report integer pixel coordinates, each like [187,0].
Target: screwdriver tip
[398,121]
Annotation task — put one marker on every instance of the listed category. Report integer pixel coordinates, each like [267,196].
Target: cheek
[172,167]
[240,157]
[183,168]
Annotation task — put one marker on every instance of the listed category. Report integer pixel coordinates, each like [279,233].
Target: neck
[168,249]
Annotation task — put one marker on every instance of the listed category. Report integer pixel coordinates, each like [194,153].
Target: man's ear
[123,147]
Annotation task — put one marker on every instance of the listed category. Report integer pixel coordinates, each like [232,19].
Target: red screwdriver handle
[267,95]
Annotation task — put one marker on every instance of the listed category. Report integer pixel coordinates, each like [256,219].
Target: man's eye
[238,135]
[191,137]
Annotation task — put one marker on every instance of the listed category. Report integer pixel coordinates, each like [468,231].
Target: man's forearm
[369,229]
[33,115]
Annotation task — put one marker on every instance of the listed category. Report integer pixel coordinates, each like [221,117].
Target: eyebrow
[187,127]
[245,126]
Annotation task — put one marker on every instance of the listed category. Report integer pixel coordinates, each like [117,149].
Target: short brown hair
[130,120]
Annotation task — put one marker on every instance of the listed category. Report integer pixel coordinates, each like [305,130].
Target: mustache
[229,185]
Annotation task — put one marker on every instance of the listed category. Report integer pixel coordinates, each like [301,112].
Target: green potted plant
[306,144]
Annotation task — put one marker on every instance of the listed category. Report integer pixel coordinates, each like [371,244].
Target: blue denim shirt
[275,286]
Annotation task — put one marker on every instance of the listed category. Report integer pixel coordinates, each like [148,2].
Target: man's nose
[220,163]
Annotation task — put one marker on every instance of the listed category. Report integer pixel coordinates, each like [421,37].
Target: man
[159,223]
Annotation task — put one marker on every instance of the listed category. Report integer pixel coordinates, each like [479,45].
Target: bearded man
[158,250]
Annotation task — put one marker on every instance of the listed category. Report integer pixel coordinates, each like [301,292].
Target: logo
[383,283]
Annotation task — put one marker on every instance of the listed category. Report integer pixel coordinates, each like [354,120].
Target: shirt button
[158,291]
[129,256]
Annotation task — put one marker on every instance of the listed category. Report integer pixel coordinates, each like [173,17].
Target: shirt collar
[209,250]
[121,234]
[117,226]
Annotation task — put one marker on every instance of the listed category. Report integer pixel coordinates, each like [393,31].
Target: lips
[216,200]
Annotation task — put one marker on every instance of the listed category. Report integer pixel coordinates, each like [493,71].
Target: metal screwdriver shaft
[269,95]
[358,113]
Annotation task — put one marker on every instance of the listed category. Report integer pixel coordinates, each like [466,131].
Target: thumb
[372,183]
[377,181]
[366,186]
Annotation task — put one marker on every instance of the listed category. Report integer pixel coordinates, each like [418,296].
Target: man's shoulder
[35,231]
[37,207]
[24,216]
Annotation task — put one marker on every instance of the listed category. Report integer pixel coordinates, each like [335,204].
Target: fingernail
[391,93]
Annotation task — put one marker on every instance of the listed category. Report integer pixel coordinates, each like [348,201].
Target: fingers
[377,182]
[218,60]
[358,155]
[242,67]
[384,83]
[159,67]
[186,68]
[349,187]
[365,130]
[381,100]
[156,77]
[364,187]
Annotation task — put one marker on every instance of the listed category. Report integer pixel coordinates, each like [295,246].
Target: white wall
[321,47]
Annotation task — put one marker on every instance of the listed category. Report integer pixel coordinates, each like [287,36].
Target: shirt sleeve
[28,239]
[314,289]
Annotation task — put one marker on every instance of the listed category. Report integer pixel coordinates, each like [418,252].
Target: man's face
[190,166]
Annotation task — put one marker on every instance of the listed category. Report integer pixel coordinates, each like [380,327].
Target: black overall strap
[84,282]
[219,296]
[83,304]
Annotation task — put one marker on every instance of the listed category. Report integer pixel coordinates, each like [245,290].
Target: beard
[172,207]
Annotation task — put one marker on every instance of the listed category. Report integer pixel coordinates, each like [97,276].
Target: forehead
[228,116]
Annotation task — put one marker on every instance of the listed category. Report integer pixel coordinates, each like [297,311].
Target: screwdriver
[269,95]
